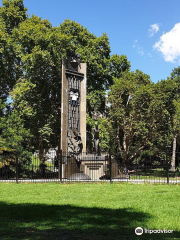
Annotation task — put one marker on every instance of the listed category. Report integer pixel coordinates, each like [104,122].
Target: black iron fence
[152,167]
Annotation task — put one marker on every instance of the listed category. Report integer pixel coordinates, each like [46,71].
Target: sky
[146,31]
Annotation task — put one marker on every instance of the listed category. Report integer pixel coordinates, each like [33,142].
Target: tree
[37,94]
[130,113]
[175,77]
[167,98]
[164,111]
[119,64]
[12,14]
[177,117]
[15,139]
[176,130]
[97,101]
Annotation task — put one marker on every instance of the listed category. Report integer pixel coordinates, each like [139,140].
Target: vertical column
[83,69]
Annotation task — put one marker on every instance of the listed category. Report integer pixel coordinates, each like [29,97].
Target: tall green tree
[163,103]
[130,113]
[118,65]
[14,137]
[37,94]
[12,14]
[175,78]
[167,99]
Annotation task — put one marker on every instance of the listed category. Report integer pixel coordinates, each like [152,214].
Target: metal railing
[68,167]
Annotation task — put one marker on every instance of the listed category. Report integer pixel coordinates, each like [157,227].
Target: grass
[154,174]
[87,211]
[36,162]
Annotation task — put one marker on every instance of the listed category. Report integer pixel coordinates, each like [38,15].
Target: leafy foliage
[130,98]
[12,14]
[142,115]
[119,64]
[15,140]
[105,130]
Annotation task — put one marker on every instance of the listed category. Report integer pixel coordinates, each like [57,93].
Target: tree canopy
[137,115]
[33,51]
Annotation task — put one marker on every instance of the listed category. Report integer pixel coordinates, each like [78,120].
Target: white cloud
[138,48]
[154,28]
[169,44]
[134,45]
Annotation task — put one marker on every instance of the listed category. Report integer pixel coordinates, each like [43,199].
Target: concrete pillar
[82,70]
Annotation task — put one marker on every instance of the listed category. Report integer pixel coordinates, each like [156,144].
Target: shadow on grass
[67,222]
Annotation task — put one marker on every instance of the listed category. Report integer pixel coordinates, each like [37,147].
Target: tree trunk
[173,166]
[42,166]
[41,150]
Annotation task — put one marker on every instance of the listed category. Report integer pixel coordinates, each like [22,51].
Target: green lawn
[97,211]
[154,174]
[36,162]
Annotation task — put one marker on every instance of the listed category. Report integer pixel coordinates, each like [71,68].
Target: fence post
[110,166]
[16,169]
[167,166]
[60,165]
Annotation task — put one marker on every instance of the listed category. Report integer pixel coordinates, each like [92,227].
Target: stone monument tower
[73,105]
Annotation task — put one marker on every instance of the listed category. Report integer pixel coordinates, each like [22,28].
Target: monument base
[94,166]
[79,177]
